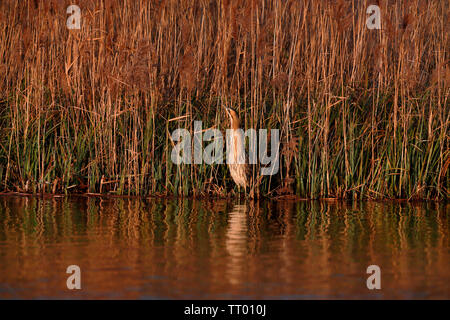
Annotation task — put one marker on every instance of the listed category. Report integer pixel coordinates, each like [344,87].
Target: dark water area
[170,249]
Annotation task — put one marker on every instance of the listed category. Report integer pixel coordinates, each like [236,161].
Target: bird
[237,160]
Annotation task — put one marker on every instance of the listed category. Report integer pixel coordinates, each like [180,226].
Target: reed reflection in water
[218,249]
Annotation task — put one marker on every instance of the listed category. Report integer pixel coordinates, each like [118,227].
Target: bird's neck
[236,125]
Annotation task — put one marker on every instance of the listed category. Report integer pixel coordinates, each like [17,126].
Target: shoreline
[291,198]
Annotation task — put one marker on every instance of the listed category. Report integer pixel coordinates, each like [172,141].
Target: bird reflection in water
[236,243]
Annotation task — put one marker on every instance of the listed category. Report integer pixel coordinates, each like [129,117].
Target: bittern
[237,162]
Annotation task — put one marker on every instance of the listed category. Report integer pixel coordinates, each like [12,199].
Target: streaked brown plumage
[237,162]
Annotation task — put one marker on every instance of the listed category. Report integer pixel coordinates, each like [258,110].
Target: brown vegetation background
[362,113]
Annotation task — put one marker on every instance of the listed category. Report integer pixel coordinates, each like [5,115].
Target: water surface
[159,249]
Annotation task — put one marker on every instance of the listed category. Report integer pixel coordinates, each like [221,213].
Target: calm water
[222,250]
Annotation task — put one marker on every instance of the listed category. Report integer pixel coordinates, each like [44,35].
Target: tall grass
[362,113]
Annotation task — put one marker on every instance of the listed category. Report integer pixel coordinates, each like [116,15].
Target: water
[153,249]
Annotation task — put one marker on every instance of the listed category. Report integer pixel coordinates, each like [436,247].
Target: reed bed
[363,114]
